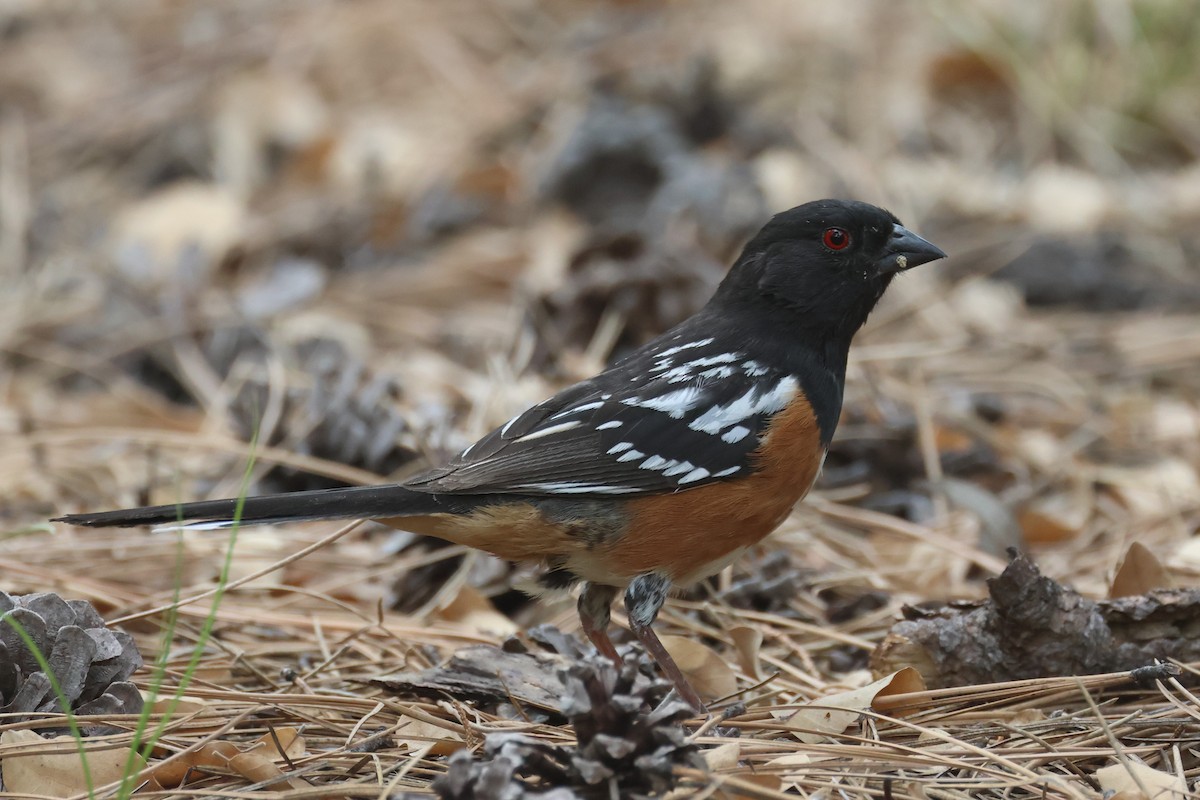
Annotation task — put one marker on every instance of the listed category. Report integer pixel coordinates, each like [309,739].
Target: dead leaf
[836,712]
[1161,488]
[748,642]
[424,734]
[901,682]
[60,773]
[283,742]
[173,773]
[1058,517]
[1139,573]
[1125,778]
[786,768]
[187,704]
[257,765]
[474,612]
[708,673]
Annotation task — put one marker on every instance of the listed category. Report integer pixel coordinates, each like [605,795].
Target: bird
[662,469]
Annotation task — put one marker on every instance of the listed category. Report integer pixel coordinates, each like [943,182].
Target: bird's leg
[643,600]
[595,611]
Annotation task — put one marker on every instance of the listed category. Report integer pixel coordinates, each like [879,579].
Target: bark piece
[1031,626]
[488,676]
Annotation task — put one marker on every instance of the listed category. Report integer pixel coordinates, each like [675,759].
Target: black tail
[355,502]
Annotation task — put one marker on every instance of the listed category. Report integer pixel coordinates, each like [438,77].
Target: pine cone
[347,414]
[90,662]
[628,742]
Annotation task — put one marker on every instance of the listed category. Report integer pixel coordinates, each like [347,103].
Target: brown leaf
[901,682]
[1058,517]
[748,642]
[212,754]
[257,765]
[59,774]
[834,713]
[441,742]
[187,704]
[285,741]
[472,611]
[1139,573]
[708,673]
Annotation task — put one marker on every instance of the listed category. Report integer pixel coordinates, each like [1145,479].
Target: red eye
[835,238]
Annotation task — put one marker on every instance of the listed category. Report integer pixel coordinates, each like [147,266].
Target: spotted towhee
[663,468]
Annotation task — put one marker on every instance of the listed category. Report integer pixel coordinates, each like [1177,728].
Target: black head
[826,263]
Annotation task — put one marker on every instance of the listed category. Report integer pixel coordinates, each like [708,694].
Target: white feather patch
[748,405]
[562,427]
[674,404]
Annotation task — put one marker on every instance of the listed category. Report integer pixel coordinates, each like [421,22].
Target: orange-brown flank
[515,532]
[683,533]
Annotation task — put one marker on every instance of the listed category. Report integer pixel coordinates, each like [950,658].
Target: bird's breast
[692,534]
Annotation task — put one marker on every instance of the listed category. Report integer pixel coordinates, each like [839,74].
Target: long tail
[356,502]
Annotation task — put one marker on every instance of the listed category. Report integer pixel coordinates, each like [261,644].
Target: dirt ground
[288,244]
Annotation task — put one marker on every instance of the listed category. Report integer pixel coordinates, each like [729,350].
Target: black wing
[682,413]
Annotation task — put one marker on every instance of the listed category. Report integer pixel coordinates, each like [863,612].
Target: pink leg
[643,600]
[595,611]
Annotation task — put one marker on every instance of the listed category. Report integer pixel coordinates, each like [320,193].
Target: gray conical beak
[906,250]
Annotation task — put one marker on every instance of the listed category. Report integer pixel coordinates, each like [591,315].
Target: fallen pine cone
[91,663]
[628,743]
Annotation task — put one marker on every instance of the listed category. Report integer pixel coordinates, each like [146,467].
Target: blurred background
[368,231]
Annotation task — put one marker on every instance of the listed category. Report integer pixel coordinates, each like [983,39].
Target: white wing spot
[723,358]
[632,455]
[725,473]
[735,434]
[560,428]
[699,473]
[677,374]
[654,462]
[753,369]
[748,405]
[670,351]
[717,372]
[618,447]
[678,469]
[616,423]
[674,404]
[578,409]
